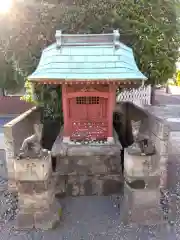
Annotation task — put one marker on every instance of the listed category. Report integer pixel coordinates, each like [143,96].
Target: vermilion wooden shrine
[89,68]
[88,111]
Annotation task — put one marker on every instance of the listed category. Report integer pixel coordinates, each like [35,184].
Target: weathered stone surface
[174,143]
[43,219]
[88,164]
[142,206]
[144,165]
[33,202]
[64,149]
[96,173]
[159,127]
[14,133]
[84,185]
[144,127]
[173,208]
[173,174]
[12,185]
[150,182]
[160,145]
[60,184]
[10,162]
[24,221]
[140,166]
[33,169]
[48,219]
[30,187]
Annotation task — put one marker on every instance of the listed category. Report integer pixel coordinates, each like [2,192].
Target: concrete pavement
[163,98]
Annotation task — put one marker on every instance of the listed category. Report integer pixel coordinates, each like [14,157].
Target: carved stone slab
[140,166]
[33,169]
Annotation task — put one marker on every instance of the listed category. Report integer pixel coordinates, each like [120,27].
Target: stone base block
[48,219]
[24,220]
[36,187]
[12,186]
[33,202]
[142,206]
[150,182]
[43,220]
[140,166]
[94,185]
[33,169]
[89,165]
[60,184]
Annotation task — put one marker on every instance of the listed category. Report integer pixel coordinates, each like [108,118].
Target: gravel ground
[85,218]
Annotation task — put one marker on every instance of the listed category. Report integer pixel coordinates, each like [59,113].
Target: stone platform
[87,169]
[37,205]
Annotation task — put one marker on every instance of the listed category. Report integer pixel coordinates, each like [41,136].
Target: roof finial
[58,38]
[116,37]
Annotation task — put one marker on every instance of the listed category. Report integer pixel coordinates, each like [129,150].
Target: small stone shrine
[89,68]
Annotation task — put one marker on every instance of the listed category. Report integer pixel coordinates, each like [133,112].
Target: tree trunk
[2,92]
[152,95]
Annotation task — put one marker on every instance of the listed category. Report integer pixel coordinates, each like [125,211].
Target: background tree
[150,27]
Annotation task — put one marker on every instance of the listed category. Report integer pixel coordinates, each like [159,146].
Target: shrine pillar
[111,105]
[66,136]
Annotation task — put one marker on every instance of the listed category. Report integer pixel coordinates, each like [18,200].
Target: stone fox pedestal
[141,206]
[142,193]
[37,206]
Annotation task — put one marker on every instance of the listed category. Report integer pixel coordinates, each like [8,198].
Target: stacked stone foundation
[37,205]
[88,176]
[86,170]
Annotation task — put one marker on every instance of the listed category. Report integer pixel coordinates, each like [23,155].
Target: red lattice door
[88,118]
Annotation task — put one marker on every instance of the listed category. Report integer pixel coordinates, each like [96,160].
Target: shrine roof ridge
[87,39]
[68,59]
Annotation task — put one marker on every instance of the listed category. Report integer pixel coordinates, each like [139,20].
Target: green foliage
[46,97]
[11,78]
[29,95]
[150,27]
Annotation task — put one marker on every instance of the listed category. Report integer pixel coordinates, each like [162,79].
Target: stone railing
[14,133]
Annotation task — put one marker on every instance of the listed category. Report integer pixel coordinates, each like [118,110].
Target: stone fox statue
[142,145]
[31,146]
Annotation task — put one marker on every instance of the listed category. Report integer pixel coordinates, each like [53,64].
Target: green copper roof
[87,57]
